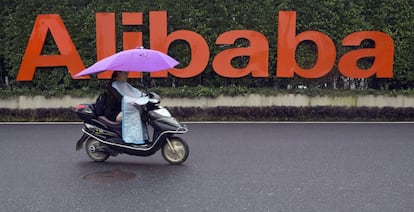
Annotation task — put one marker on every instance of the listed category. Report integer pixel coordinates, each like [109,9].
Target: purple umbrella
[133,60]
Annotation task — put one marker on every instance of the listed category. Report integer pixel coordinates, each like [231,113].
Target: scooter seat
[112,124]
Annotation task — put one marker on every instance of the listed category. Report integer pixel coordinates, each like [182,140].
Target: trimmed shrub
[276,113]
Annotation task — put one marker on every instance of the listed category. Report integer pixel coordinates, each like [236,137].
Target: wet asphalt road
[231,167]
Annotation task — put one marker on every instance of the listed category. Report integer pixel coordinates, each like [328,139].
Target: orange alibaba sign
[257,51]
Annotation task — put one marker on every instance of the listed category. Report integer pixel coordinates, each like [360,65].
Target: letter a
[383,53]
[32,58]
[257,52]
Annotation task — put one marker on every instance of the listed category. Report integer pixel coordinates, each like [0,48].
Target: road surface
[232,167]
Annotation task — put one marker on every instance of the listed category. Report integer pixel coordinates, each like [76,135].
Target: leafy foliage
[275,113]
[336,18]
[202,91]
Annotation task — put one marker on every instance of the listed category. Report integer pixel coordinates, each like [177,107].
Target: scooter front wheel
[175,150]
[94,150]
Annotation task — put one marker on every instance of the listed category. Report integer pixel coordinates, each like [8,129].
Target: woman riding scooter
[114,98]
[123,104]
[104,137]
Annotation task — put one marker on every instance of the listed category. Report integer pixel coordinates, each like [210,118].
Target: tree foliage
[336,18]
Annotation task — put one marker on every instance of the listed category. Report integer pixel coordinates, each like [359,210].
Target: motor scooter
[103,138]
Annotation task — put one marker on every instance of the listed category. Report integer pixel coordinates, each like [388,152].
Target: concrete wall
[28,102]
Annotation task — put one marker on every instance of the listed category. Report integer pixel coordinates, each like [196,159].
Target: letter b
[159,40]
[288,42]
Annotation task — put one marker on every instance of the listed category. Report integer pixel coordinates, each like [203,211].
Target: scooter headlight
[154,101]
[163,112]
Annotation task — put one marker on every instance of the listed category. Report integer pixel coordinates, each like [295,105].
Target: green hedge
[275,113]
[202,91]
[336,18]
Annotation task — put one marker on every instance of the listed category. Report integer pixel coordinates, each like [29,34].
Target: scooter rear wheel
[92,147]
[175,152]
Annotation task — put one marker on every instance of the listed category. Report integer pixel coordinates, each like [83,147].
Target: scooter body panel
[110,133]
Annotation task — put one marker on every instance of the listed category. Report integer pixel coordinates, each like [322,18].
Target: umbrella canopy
[133,60]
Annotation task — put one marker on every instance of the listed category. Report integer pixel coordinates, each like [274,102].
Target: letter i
[132,40]
[105,38]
